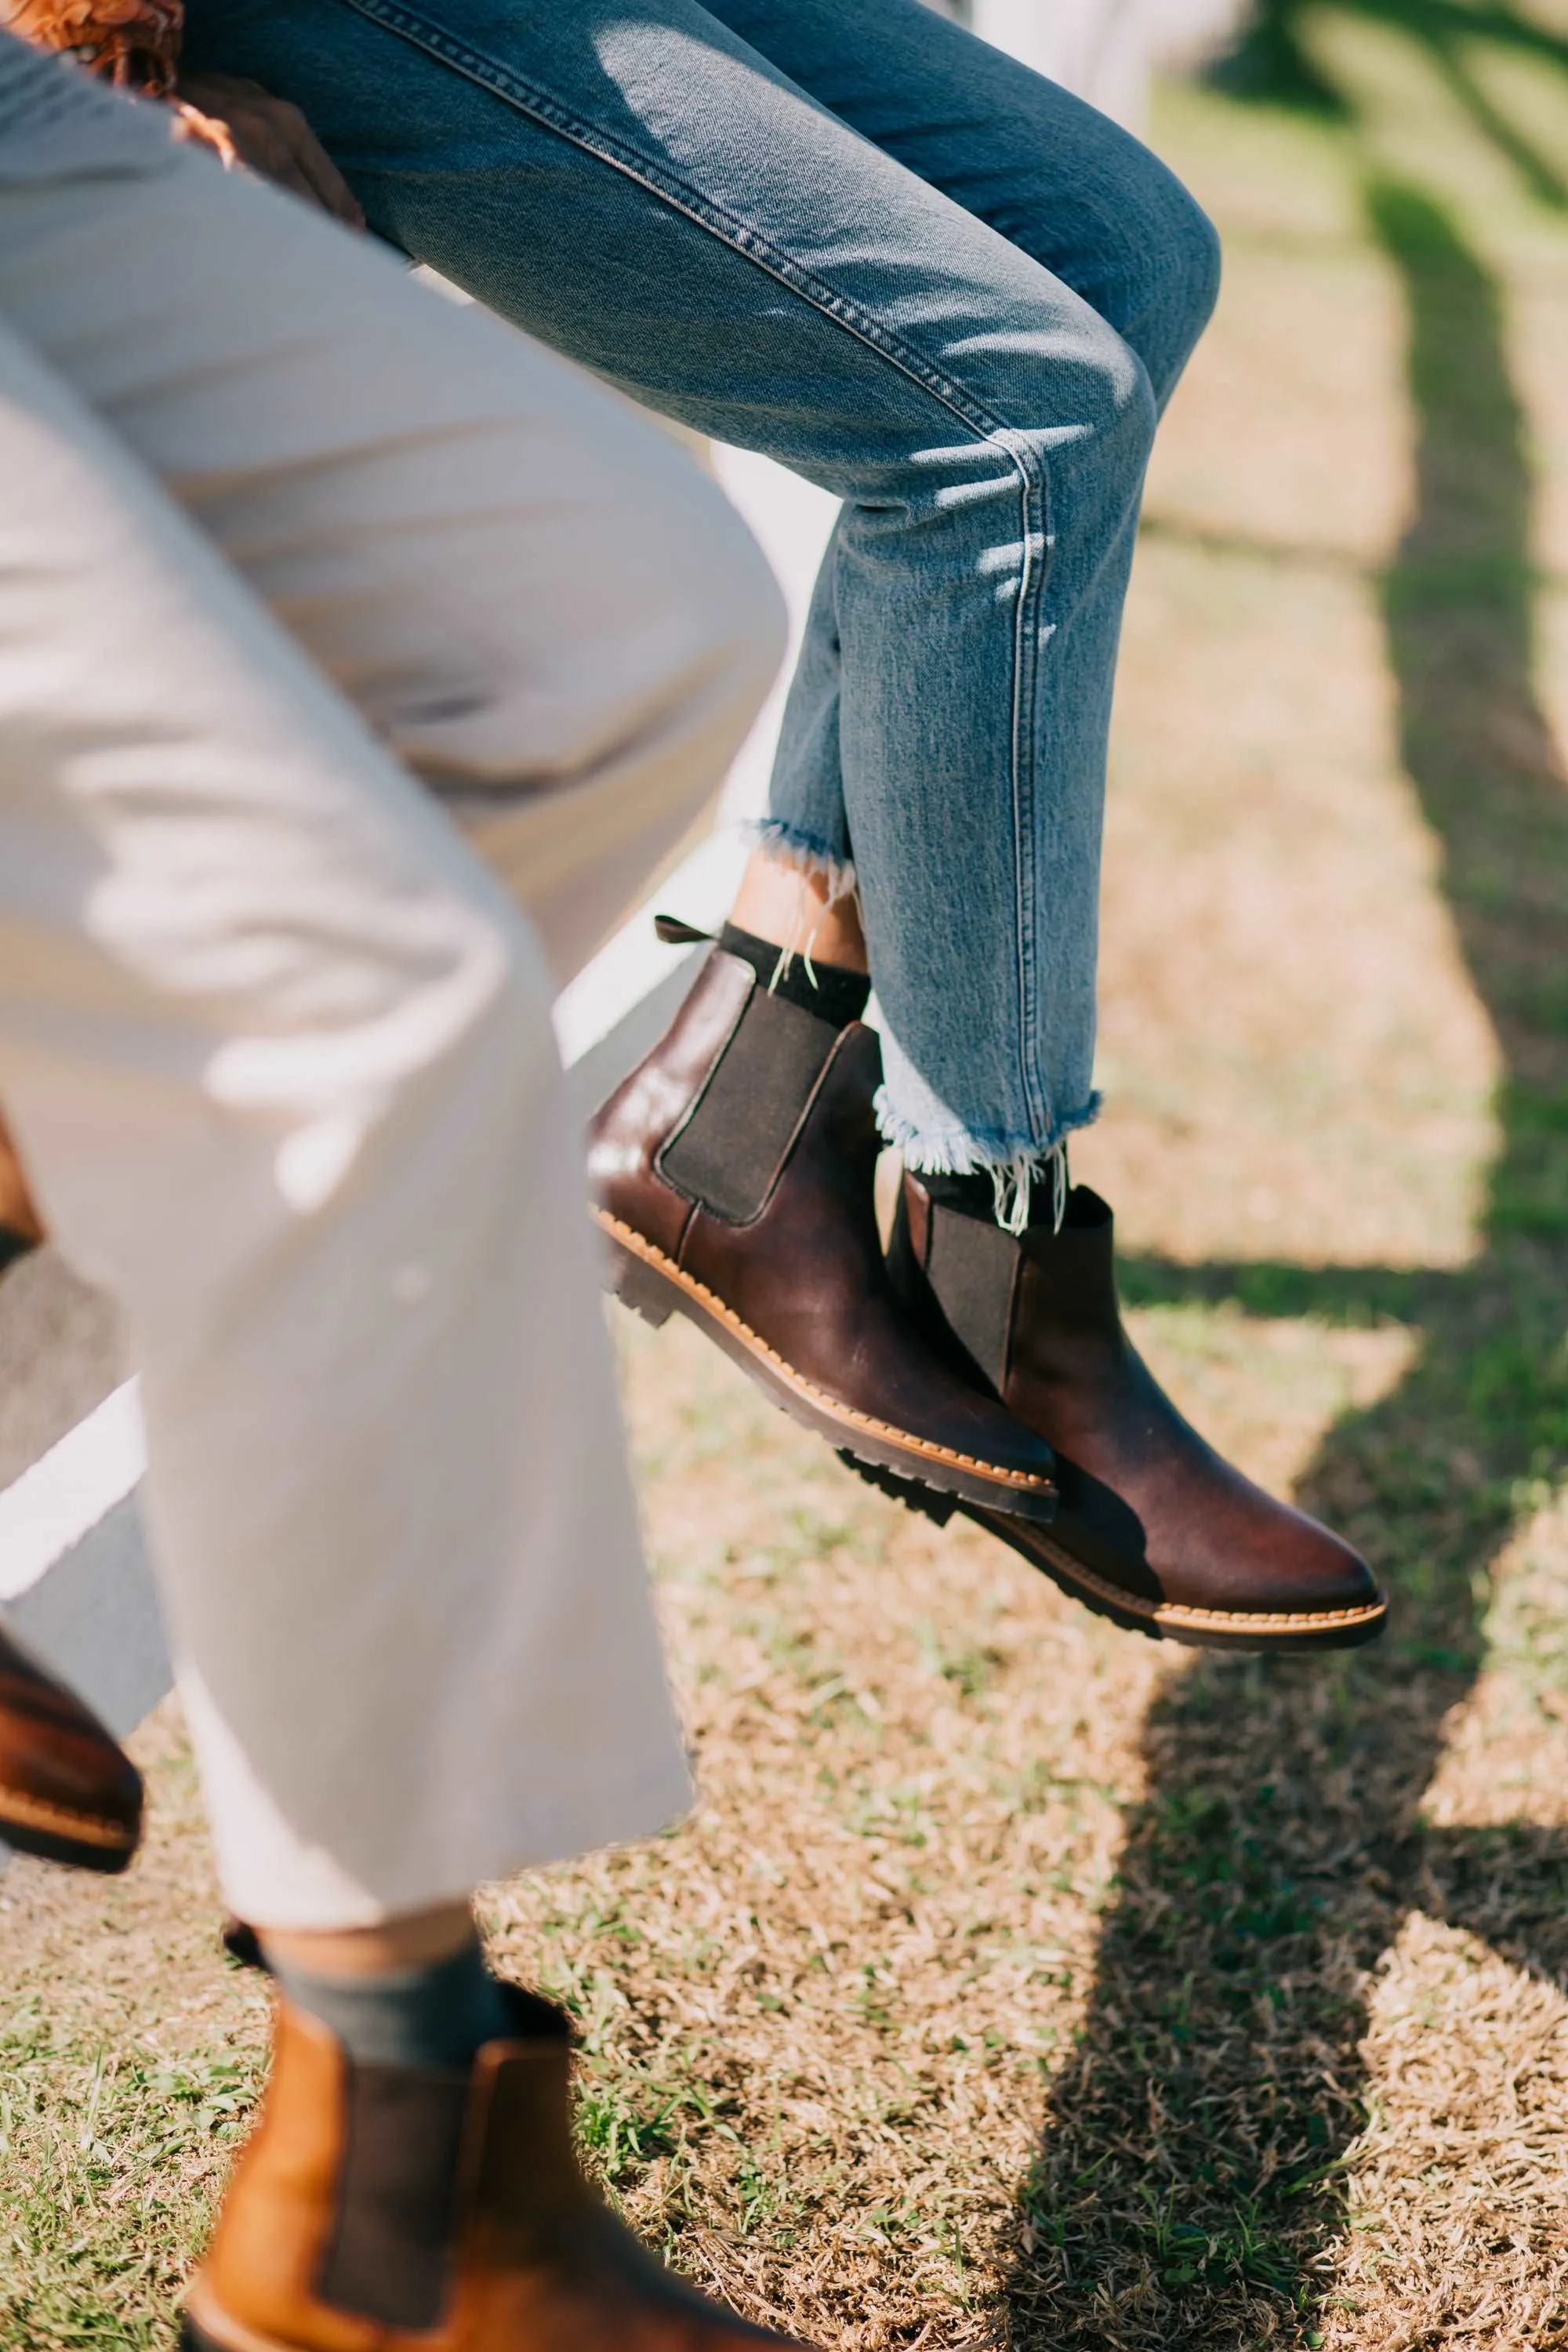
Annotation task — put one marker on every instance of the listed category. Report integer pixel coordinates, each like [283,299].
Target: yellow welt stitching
[37,1813]
[652,1255]
[1179,1613]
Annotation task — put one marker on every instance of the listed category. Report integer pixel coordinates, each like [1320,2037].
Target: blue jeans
[850,235]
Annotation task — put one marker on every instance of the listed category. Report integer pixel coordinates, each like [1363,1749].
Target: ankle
[802,912]
[433,2014]
[834,993]
[408,1940]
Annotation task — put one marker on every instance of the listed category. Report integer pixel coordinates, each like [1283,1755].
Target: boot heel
[639,1286]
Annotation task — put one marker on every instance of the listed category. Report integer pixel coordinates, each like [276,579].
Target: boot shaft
[709,1123]
[402,2209]
[366,2193]
[733,1177]
[1009,1309]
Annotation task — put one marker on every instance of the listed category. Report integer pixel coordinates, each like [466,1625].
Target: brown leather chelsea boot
[1153,1529]
[69,1793]
[733,1175]
[386,2208]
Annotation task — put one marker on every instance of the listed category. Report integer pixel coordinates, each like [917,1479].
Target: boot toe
[1260,1565]
[69,1793]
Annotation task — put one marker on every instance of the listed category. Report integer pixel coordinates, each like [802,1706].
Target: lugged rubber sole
[1251,1630]
[655,1287]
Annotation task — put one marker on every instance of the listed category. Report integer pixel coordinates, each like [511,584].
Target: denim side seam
[1026,678]
[491,74]
[504,83]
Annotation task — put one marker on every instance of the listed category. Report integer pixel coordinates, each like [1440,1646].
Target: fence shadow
[1188,2184]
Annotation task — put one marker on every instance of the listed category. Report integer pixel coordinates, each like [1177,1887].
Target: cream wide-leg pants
[279,526]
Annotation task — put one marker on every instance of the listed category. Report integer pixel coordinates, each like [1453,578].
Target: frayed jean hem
[955,1152]
[775,838]
[1016,1169]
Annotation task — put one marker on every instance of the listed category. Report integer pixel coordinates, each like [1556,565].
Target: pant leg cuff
[791,846]
[962,1151]
[1018,1167]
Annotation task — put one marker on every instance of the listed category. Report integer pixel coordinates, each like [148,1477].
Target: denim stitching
[508,85]
[1025,679]
[1033,480]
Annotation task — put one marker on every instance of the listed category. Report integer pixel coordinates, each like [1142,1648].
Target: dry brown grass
[1017,1982]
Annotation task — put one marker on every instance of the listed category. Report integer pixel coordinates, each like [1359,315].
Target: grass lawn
[1020,1983]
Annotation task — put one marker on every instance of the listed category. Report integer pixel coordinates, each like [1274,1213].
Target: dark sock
[835,993]
[974,1195]
[440,2016]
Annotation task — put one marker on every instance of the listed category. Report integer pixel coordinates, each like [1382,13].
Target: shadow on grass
[1189,2185]
[1271,63]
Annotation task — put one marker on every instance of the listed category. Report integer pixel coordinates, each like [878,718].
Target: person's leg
[278,1051]
[420,492]
[458,682]
[958,299]
[1068,188]
[642,186]
[1056,179]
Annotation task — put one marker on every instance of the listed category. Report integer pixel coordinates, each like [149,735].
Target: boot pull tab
[671,932]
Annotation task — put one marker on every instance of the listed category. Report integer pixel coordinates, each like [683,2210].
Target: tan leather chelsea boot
[387,2208]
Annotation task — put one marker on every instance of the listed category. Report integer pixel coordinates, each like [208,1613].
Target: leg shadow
[1189,2187]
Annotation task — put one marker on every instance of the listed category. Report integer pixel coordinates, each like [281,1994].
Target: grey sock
[438,2016]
